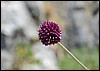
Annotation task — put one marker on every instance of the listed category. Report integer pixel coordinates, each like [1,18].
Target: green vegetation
[24,55]
[91,60]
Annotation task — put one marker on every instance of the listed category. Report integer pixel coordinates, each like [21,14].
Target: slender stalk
[73,56]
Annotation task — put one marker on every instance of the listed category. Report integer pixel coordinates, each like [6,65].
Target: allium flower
[49,33]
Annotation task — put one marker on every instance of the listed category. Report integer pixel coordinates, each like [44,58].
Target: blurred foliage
[24,55]
[91,60]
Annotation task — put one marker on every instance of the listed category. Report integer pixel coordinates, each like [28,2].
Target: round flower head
[49,33]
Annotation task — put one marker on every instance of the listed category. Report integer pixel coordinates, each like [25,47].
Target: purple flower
[49,33]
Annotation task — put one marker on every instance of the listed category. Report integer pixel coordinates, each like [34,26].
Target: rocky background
[79,21]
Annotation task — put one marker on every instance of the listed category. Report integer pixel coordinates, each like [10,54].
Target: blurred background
[21,48]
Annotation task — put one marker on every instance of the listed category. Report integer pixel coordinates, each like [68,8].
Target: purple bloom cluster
[49,33]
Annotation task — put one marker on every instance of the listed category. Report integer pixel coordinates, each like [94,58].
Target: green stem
[73,56]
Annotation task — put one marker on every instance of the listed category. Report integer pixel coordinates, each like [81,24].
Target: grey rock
[7,60]
[46,56]
[31,67]
[95,26]
[17,25]
[77,17]
[17,16]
